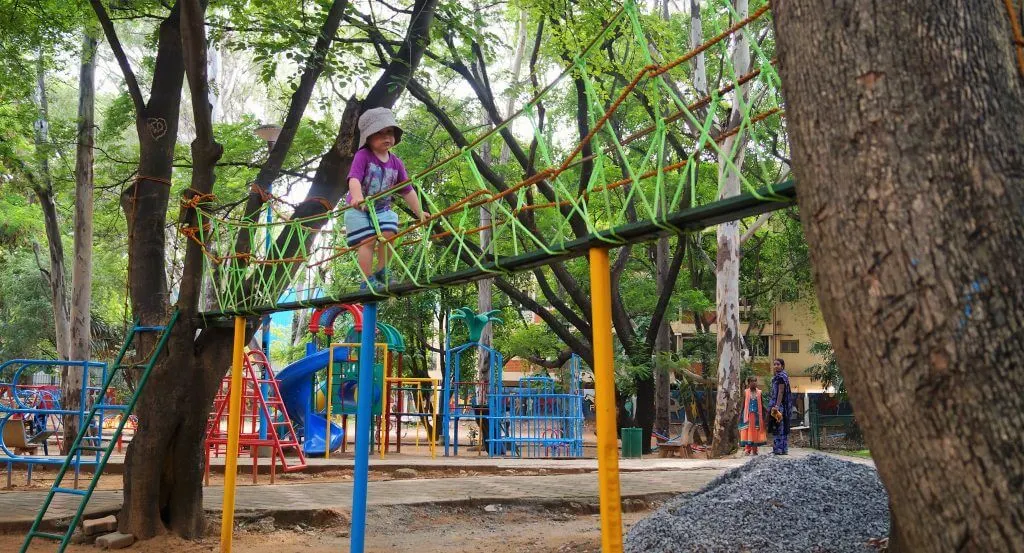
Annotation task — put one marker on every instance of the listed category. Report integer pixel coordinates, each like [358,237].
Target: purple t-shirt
[377,176]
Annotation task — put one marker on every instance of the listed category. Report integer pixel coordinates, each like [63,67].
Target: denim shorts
[359,225]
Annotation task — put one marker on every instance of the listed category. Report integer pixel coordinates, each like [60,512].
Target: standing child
[374,170]
[753,427]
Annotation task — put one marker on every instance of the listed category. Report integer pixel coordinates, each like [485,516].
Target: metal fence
[533,420]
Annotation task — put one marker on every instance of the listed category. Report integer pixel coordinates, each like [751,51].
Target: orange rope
[154,179]
[1018,36]
[196,199]
[263,194]
[322,201]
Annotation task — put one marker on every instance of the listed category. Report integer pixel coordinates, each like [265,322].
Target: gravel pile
[815,504]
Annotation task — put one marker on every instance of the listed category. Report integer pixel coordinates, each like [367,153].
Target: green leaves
[827,372]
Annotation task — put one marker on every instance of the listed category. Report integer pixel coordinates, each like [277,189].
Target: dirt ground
[396,529]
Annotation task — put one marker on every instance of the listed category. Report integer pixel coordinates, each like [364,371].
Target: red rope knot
[263,194]
[196,198]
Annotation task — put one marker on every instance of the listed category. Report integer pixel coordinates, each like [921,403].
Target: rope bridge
[623,182]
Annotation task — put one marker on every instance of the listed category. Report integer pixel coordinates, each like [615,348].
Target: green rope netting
[656,146]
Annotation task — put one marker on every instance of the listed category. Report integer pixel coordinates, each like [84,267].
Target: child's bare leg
[365,257]
[382,250]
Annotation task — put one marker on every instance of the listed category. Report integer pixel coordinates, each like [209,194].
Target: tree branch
[389,86]
[553,323]
[122,59]
[571,286]
[561,306]
[620,318]
[555,363]
[761,220]
[271,169]
[663,300]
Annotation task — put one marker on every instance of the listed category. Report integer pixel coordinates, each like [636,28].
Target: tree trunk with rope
[163,465]
[905,122]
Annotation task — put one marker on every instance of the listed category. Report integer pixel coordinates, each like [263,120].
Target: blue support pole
[265,388]
[446,395]
[364,414]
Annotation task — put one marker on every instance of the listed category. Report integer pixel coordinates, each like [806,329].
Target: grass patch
[862,453]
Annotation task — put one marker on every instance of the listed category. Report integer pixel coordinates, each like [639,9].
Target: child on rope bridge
[374,170]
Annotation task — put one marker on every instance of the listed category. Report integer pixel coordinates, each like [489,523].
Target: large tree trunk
[44,192]
[662,344]
[158,492]
[905,120]
[727,270]
[662,340]
[484,287]
[81,271]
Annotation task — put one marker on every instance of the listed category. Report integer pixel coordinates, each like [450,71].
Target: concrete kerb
[449,465]
[51,524]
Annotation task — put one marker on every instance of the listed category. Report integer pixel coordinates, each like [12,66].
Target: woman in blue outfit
[782,403]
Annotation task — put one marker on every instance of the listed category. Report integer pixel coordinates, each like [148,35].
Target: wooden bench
[671,449]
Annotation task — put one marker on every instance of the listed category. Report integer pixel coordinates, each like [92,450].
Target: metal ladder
[280,432]
[84,443]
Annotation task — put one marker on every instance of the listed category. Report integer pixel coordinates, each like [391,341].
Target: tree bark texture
[727,267]
[43,188]
[158,491]
[662,343]
[905,121]
[81,270]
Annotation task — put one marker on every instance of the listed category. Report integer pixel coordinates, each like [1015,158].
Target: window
[757,346]
[789,346]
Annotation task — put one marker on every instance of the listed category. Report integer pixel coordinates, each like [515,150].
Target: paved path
[18,509]
[467,461]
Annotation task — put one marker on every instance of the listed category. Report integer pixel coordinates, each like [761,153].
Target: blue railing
[14,407]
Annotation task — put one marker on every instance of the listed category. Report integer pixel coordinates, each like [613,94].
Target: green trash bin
[631,443]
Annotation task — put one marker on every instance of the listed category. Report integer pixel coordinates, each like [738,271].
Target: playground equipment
[296,384]
[410,398]
[466,399]
[531,419]
[342,383]
[600,195]
[94,444]
[534,419]
[261,404]
[406,398]
[31,414]
[314,396]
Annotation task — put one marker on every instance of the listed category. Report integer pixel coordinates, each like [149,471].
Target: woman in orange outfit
[753,426]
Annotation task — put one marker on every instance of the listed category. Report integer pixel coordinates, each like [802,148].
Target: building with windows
[788,335]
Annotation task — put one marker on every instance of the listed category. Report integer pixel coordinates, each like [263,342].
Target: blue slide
[296,384]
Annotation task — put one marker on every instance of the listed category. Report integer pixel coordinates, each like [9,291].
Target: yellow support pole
[434,418]
[384,411]
[604,395]
[327,414]
[227,521]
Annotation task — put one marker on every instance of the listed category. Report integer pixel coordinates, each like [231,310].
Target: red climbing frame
[280,435]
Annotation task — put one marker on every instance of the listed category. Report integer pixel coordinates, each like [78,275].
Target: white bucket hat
[375,120]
